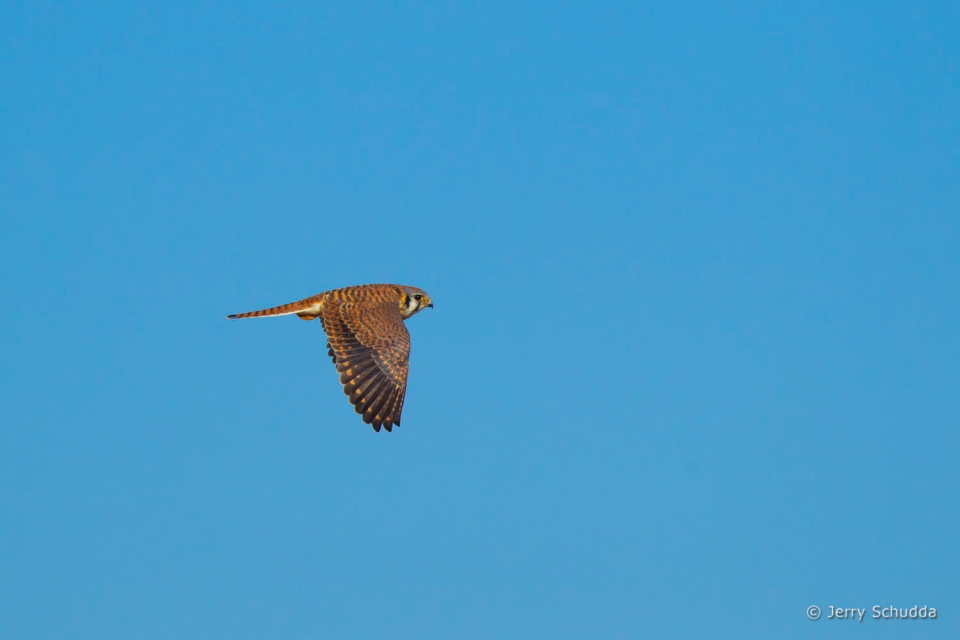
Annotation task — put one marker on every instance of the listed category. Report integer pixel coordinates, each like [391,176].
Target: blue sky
[693,365]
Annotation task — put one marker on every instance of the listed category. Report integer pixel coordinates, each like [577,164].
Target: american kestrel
[367,340]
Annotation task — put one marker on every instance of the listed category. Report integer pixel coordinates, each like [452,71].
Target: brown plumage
[367,340]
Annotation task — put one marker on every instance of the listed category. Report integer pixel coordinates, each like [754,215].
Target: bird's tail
[307,309]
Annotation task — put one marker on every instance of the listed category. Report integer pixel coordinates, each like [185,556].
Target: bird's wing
[371,347]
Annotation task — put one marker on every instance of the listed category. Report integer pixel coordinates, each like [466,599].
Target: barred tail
[308,309]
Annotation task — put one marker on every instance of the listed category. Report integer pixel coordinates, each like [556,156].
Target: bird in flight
[367,340]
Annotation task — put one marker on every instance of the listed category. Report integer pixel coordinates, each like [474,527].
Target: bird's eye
[418,297]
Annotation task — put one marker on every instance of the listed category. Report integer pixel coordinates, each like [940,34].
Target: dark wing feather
[370,346]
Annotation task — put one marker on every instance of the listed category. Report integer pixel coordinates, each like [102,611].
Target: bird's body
[366,339]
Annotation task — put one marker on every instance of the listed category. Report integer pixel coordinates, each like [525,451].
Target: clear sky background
[693,365]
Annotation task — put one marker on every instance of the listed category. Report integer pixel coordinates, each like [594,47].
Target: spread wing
[371,347]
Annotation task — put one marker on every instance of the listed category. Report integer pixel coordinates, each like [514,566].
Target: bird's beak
[430,305]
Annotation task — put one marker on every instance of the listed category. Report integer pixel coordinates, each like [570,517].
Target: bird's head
[413,300]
